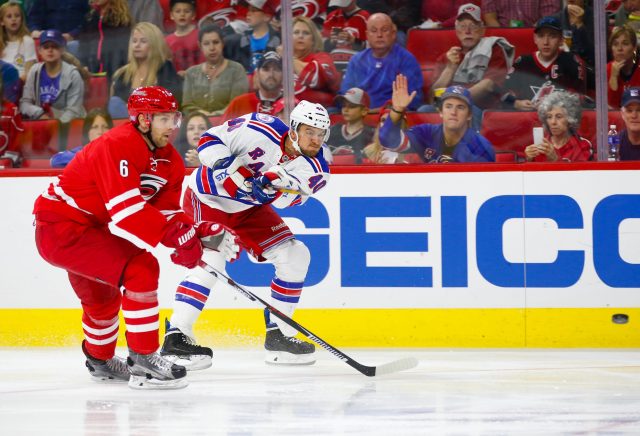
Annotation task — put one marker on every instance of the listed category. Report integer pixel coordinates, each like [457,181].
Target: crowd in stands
[404,80]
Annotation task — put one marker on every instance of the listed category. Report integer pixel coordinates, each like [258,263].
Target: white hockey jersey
[257,141]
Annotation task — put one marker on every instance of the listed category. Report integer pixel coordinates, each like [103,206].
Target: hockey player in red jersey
[250,163]
[130,177]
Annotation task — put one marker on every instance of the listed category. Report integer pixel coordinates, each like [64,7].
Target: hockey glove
[182,237]
[217,237]
[262,190]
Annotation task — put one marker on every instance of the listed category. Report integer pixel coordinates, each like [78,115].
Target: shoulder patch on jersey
[265,118]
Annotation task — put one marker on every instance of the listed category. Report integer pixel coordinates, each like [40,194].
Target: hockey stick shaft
[369,371]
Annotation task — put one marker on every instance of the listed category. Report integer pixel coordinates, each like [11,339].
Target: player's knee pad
[291,260]
[141,273]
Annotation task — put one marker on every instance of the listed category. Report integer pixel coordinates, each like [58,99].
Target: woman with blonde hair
[316,77]
[149,64]
[16,46]
[622,71]
[104,37]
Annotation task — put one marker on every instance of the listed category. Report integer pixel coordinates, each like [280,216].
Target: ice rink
[49,392]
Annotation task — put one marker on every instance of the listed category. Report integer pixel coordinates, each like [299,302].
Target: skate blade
[107,380]
[191,363]
[144,383]
[284,358]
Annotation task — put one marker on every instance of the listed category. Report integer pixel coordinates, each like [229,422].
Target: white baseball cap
[339,3]
[470,9]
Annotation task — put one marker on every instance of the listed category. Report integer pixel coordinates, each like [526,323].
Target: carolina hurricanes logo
[150,184]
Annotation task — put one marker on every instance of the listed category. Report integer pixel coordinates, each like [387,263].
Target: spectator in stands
[622,71]
[192,127]
[451,141]
[480,63]
[517,13]
[375,68]
[316,78]
[148,11]
[12,84]
[268,78]
[536,75]
[376,153]
[345,26]
[349,138]
[66,16]
[105,37]
[623,12]
[630,135]
[576,19]
[149,64]
[184,41]
[10,128]
[247,48]
[405,14]
[442,13]
[16,46]
[54,87]
[96,123]
[210,86]
[560,114]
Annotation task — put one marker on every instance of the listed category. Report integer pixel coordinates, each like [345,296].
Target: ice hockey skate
[114,370]
[183,350]
[152,371]
[283,350]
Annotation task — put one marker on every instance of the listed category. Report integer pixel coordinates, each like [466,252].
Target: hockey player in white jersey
[248,164]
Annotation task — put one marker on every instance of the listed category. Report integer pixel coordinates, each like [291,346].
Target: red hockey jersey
[117,178]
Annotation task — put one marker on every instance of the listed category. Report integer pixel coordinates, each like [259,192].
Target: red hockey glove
[188,248]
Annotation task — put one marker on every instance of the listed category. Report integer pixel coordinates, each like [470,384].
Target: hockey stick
[370,371]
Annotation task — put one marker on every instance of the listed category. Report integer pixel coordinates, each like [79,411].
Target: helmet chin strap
[294,142]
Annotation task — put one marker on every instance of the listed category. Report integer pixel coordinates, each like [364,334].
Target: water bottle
[613,140]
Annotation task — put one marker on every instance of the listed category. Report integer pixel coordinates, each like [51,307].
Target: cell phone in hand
[538,135]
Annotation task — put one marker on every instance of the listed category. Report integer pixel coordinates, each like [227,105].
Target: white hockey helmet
[311,114]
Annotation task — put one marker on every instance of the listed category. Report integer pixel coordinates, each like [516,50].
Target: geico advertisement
[431,240]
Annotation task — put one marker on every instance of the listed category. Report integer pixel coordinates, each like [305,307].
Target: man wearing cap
[538,74]
[518,13]
[630,136]
[247,48]
[479,63]
[451,141]
[375,68]
[54,88]
[351,137]
[268,77]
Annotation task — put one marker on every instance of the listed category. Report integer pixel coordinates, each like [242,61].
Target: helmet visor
[167,120]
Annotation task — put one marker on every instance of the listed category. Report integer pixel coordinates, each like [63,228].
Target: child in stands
[16,46]
[353,135]
[184,41]
[54,88]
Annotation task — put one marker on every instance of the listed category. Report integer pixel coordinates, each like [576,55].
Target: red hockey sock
[141,315]
[100,336]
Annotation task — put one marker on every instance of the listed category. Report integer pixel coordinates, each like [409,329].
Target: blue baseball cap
[548,22]
[630,95]
[53,35]
[459,92]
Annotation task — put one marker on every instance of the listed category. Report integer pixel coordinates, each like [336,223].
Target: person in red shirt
[268,78]
[346,23]
[10,128]
[560,114]
[130,177]
[184,41]
[622,71]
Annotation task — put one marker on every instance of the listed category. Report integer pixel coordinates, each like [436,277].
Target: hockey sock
[284,297]
[100,336]
[191,296]
[141,315]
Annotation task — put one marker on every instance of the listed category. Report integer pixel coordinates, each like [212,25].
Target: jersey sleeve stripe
[404,143]
[127,212]
[122,198]
[59,194]
[208,140]
[267,131]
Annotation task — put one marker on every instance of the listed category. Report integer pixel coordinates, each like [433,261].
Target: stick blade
[397,366]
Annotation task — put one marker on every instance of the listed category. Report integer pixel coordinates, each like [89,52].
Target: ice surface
[49,392]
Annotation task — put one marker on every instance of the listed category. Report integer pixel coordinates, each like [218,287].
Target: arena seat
[74,133]
[40,139]
[167,22]
[36,163]
[414,118]
[509,130]
[588,124]
[96,94]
